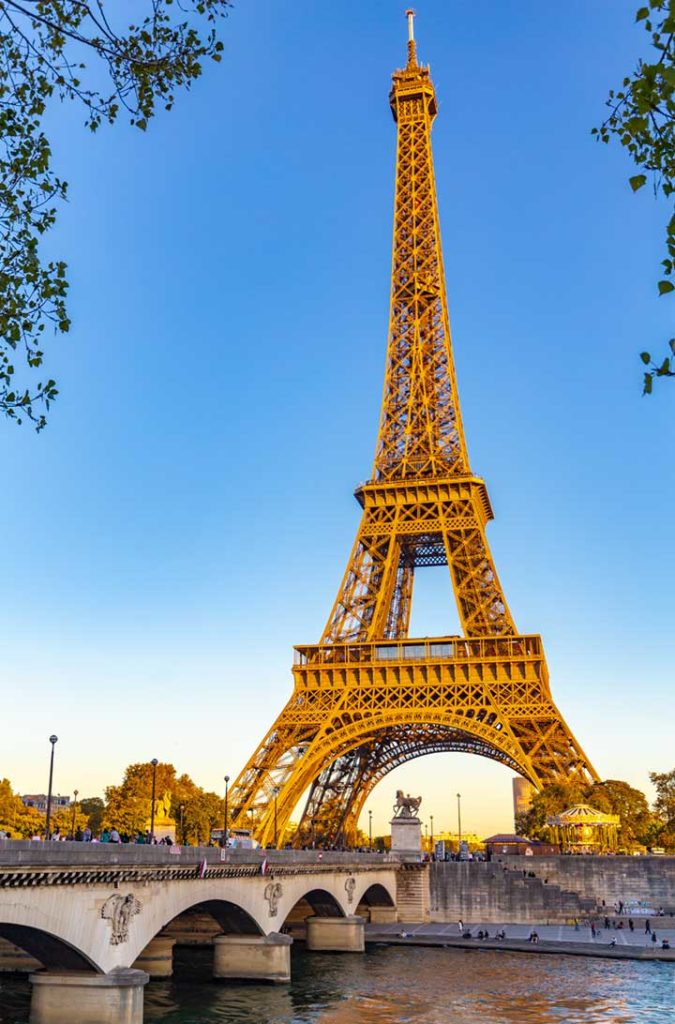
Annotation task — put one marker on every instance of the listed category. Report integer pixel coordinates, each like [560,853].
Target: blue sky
[187,515]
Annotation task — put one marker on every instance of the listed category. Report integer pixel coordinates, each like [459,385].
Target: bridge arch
[376,895]
[50,950]
[233,906]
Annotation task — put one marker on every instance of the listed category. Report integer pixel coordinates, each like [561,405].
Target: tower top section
[421,433]
[414,80]
[412,49]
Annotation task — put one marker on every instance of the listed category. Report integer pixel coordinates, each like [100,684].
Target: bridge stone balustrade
[96,916]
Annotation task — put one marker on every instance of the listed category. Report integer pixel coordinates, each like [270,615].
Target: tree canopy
[642,119]
[128,805]
[65,49]
[664,805]
[639,824]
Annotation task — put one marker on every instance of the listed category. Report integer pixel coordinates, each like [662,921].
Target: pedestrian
[593,928]
[648,926]
[87,835]
[630,924]
[607,923]
[653,936]
[114,836]
[621,906]
[460,926]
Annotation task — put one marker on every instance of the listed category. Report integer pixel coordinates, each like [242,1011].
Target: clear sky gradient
[187,515]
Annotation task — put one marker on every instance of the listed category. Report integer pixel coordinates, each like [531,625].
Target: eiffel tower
[367,697]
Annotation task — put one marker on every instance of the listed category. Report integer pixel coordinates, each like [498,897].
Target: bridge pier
[383,915]
[253,957]
[336,934]
[79,998]
[157,957]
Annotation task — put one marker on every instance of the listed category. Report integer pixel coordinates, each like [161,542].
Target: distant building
[508,844]
[39,801]
[452,840]
[523,791]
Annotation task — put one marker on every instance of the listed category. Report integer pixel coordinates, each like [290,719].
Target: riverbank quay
[553,939]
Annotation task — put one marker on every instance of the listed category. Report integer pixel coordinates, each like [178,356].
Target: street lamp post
[276,831]
[226,818]
[72,824]
[154,764]
[459,821]
[370,830]
[181,808]
[432,832]
[53,740]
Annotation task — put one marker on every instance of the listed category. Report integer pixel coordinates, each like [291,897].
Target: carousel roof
[584,814]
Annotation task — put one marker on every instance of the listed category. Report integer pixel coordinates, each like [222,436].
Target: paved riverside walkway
[553,938]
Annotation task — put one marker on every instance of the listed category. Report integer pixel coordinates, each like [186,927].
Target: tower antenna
[412,49]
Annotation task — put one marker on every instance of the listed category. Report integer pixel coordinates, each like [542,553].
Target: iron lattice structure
[367,698]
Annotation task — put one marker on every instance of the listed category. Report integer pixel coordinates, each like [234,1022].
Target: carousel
[583,829]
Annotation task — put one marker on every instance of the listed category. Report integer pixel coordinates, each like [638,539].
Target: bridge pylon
[367,697]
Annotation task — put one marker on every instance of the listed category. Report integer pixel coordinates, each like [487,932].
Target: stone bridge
[97,920]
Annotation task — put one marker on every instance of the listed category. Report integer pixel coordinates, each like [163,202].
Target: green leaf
[646,358]
[671,343]
[665,287]
[637,181]
[664,368]
[642,14]
[647,390]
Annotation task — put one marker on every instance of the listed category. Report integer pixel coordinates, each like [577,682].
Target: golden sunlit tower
[367,698]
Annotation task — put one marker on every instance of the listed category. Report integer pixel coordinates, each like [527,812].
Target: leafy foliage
[17,820]
[642,118]
[44,49]
[128,805]
[664,805]
[611,797]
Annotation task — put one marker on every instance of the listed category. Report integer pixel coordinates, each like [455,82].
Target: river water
[391,985]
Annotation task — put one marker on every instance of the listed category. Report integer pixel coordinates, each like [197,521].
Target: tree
[45,47]
[17,820]
[128,805]
[616,797]
[611,796]
[664,807]
[642,118]
[549,801]
[93,808]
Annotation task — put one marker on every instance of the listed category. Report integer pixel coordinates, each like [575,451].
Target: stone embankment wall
[647,879]
[487,892]
[563,888]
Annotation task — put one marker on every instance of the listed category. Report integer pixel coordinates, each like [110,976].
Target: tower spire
[412,48]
